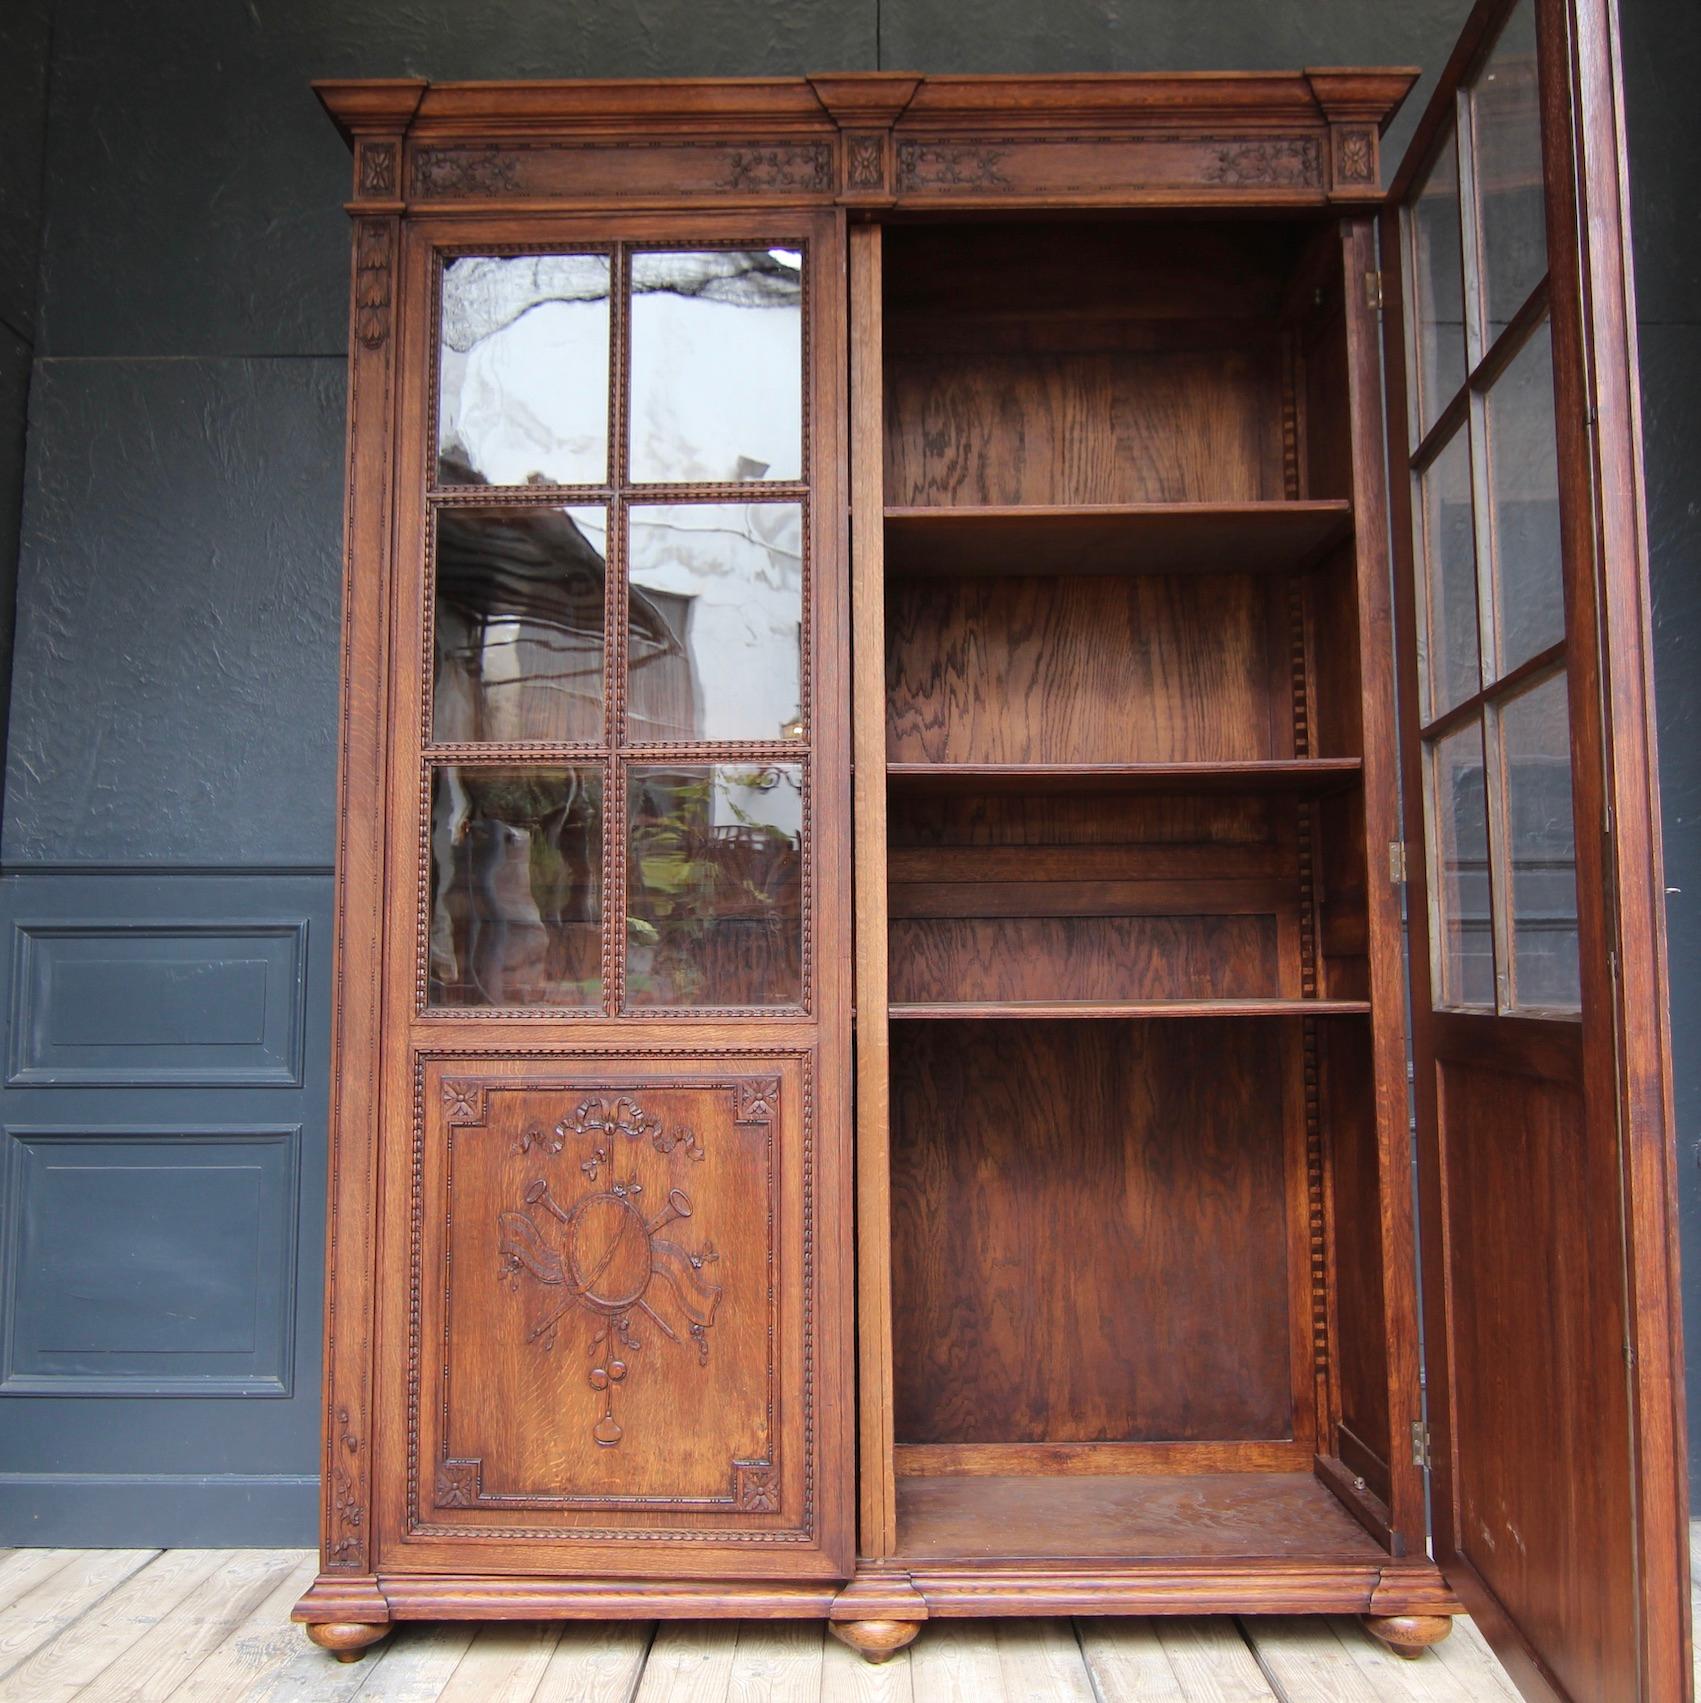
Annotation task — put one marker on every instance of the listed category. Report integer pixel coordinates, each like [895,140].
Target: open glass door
[1543,1091]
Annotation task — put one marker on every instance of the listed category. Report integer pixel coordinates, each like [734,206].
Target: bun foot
[347,1640]
[876,1640]
[1408,1635]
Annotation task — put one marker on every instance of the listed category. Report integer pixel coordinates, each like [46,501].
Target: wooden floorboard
[212,1626]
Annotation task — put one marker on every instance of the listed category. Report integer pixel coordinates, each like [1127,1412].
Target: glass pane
[1506,129]
[519,624]
[1523,491]
[1464,931]
[523,371]
[1453,657]
[714,649]
[516,887]
[1535,732]
[717,366]
[715,885]
[1438,305]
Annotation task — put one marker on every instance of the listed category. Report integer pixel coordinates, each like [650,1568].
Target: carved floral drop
[605,1251]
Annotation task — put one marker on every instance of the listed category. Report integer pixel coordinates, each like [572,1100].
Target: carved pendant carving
[372,282]
[603,1249]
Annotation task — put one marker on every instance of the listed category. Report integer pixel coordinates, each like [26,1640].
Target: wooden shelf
[1054,1010]
[1114,538]
[1115,1517]
[1304,775]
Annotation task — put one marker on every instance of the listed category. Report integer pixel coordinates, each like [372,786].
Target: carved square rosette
[601,1338]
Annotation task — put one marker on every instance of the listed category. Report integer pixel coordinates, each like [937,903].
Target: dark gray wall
[1662,74]
[171,759]
[23,135]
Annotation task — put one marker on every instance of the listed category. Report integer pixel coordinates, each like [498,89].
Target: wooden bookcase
[965,699]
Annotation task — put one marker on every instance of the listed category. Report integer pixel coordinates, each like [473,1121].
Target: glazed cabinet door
[614,1292]
[1543,1084]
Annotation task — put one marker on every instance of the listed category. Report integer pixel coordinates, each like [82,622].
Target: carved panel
[660,169]
[1109,169]
[605,1328]
[452,174]
[1284,163]
[793,167]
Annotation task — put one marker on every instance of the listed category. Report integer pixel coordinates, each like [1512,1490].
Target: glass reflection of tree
[716,890]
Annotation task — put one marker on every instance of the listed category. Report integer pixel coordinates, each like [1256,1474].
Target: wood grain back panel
[1100,426]
[1087,1224]
[1083,957]
[1147,668]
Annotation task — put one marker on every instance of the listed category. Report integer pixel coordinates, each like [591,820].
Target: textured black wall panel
[187,147]
[176,684]
[1176,35]
[23,121]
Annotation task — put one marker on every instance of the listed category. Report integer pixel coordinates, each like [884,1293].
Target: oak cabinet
[895,805]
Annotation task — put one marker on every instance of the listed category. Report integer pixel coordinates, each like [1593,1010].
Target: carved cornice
[875,139]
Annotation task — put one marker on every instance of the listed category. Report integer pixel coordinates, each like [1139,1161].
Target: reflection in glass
[715,885]
[714,649]
[1438,308]
[1453,659]
[1523,492]
[1535,732]
[523,370]
[1506,131]
[717,366]
[519,624]
[1464,943]
[516,887]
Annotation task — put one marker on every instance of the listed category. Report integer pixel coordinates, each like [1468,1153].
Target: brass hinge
[1397,862]
[1420,1443]
[1373,291]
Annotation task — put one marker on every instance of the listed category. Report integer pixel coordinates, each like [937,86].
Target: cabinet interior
[1135,1260]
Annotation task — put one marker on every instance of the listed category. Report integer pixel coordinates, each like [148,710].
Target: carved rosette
[758,1100]
[464,1104]
[377,168]
[457,1483]
[372,282]
[756,1487]
[1355,156]
[865,162]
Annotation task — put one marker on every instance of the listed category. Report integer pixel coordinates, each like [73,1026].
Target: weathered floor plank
[61,1668]
[152,1668]
[258,1647]
[690,1662]
[1172,1660]
[197,1626]
[41,1613]
[596,1661]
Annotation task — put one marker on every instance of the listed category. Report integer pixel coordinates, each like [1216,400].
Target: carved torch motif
[604,1253]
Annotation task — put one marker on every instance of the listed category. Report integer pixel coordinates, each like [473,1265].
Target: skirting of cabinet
[899,1593]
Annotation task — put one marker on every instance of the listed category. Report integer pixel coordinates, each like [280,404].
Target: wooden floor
[136,1624]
